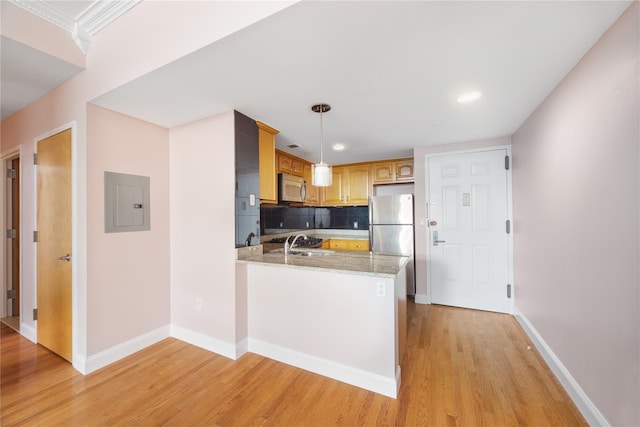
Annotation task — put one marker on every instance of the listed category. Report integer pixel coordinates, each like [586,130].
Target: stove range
[307,243]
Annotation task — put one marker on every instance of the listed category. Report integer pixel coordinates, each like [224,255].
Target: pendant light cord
[321,137]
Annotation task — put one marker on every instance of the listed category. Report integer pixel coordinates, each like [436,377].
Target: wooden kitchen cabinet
[339,244]
[394,171]
[351,186]
[289,164]
[313,192]
[383,173]
[333,195]
[347,245]
[358,245]
[267,163]
[404,170]
[358,184]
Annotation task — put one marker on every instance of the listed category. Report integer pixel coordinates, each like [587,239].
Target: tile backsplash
[276,218]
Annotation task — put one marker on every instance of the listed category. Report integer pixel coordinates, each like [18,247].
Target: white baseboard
[377,383]
[421,299]
[28,332]
[223,348]
[586,407]
[120,351]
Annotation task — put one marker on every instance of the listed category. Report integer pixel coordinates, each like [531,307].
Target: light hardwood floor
[462,368]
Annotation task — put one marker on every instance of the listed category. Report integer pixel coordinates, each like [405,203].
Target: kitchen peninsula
[341,315]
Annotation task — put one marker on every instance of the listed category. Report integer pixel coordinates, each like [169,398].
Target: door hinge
[35,314]
[11,173]
[508,226]
[506,162]
[11,294]
[35,237]
[35,158]
[509,291]
[11,234]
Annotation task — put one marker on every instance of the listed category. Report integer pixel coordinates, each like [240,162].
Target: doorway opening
[12,261]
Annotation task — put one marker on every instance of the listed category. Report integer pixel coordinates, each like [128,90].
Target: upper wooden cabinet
[290,164]
[351,186]
[404,170]
[313,192]
[334,194]
[267,163]
[359,184]
[393,171]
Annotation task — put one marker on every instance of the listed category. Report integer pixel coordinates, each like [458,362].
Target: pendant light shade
[321,175]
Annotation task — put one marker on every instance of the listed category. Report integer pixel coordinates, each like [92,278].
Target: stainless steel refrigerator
[391,230]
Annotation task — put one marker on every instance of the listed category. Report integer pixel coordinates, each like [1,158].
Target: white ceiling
[27,73]
[390,70]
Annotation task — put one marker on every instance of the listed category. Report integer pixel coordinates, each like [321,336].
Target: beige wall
[576,195]
[119,53]
[202,228]
[128,272]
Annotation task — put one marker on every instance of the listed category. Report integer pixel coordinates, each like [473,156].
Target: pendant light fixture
[321,175]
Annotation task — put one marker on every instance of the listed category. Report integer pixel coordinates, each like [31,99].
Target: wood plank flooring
[461,368]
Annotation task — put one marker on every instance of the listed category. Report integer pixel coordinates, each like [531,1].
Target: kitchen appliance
[291,188]
[391,230]
[309,242]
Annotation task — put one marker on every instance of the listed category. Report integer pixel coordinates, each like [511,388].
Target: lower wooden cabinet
[346,245]
[358,245]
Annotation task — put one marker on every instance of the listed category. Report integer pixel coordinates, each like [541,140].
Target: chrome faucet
[249,237]
[288,247]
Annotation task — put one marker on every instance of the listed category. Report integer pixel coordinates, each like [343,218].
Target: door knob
[435,239]
[66,257]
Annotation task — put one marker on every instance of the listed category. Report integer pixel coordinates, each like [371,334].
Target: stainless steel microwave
[291,188]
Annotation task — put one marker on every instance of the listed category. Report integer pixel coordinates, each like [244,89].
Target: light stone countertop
[338,262]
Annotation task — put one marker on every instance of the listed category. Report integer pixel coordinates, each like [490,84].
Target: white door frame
[9,155]
[509,214]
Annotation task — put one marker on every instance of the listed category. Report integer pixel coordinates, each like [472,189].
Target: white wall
[576,208]
[203,233]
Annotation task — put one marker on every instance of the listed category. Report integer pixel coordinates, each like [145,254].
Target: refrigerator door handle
[370,206]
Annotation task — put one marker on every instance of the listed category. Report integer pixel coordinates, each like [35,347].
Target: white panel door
[468,200]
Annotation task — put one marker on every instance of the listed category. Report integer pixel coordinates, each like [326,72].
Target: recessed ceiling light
[338,147]
[469,97]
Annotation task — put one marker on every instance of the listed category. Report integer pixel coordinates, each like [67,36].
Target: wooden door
[469,257]
[54,243]
[15,241]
